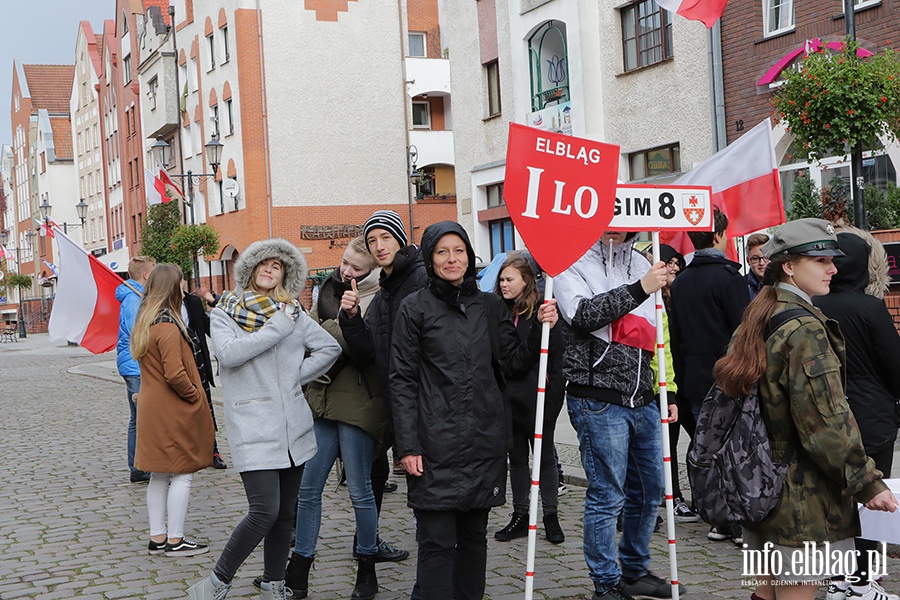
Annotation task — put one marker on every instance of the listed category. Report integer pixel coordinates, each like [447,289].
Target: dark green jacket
[802,397]
[354,394]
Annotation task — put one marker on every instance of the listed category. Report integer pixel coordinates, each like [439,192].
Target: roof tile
[50,87]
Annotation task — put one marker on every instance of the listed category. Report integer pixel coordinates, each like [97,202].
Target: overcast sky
[42,32]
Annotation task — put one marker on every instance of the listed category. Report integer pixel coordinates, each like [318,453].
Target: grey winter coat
[269,422]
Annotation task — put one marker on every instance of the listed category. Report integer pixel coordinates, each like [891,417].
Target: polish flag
[7,254]
[167,180]
[744,180]
[85,310]
[156,189]
[707,11]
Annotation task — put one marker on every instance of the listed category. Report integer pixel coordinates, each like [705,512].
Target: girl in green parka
[800,370]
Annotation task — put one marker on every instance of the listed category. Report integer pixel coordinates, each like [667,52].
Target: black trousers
[272,496]
[883,462]
[452,553]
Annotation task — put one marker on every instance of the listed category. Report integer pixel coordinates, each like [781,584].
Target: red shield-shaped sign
[560,191]
[694,207]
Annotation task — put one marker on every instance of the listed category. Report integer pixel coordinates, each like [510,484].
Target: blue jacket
[130,302]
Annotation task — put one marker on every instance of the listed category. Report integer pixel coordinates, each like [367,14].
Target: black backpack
[734,477]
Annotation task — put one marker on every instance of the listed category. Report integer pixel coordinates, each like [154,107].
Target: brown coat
[174,425]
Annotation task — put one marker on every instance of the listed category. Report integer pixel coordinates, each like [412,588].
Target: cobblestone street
[71,525]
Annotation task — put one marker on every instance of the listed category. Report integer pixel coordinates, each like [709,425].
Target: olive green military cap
[809,237]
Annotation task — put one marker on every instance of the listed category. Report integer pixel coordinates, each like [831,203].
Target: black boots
[296,577]
[518,527]
[366,581]
[552,529]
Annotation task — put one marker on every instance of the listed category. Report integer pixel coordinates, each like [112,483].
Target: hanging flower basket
[835,101]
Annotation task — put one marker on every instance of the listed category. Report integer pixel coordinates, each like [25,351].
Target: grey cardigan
[269,422]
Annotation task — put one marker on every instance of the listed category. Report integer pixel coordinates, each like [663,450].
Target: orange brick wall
[422,15]
[747,54]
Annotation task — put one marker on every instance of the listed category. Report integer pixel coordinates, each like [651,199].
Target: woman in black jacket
[449,345]
[873,361]
[517,285]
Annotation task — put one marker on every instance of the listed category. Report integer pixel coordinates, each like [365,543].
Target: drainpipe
[265,117]
[717,87]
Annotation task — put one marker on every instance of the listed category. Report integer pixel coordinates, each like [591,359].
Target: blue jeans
[621,450]
[356,448]
[132,385]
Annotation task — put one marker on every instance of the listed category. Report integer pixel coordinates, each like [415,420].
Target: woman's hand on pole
[413,464]
[548,312]
[350,300]
[673,413]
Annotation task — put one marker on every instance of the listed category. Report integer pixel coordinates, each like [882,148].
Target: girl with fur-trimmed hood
[268,347]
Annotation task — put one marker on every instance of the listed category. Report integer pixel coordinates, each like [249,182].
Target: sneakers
[186,547]
[552,530]
[390,487]
[683,512]
[398,468]
[517,527]
[648,586]
[205,589]
[388,553]
[721,534]
[160,548]
[139,476]
[272,590]
[563,488]
[875,592]
[837,589]
[218,463]
[616,593]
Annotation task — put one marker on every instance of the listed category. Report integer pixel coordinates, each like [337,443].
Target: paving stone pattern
[72,526]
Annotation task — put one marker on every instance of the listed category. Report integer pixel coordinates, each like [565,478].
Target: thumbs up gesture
[350,300]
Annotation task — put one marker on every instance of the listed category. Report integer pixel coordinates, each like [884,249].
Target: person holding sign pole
[451,346]
[517,285]
[609,324]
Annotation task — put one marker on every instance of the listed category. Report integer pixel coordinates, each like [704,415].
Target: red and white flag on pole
[707,11]
[744,180]
[167,180]
[85,310]
[7,254]
[156,189]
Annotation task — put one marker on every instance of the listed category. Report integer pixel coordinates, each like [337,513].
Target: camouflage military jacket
[803,399]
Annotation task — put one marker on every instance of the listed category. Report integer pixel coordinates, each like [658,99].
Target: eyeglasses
[756,260]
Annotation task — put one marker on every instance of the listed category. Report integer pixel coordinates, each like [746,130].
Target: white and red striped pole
[664,418]
[538,444]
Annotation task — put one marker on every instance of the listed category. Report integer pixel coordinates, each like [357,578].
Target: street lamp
[415,177]
[4,237]
[160,151]
[81,209]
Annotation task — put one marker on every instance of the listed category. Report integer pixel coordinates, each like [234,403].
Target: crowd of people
[402,352]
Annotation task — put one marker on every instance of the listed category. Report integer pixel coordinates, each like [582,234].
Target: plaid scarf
[251,310]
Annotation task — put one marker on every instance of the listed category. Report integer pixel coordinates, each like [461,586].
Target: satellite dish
[230,188]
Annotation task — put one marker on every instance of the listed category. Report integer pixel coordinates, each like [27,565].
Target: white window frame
[424,39]
[426,125]
[861,4]
[211,48]
[769,7]
[225,35]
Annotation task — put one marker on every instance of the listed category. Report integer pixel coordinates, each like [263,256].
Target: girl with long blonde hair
[174,425]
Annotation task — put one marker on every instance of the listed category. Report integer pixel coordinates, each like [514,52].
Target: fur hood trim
[295,269]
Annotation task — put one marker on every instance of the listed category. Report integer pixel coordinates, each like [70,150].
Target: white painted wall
[336,104]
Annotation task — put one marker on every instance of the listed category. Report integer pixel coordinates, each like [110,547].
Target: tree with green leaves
[806,201]
[18,280]
[163,220]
